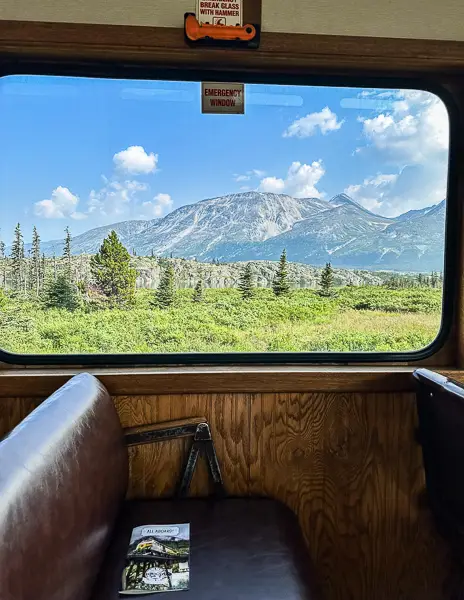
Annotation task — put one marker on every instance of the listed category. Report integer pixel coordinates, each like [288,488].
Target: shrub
[2,299]
[61,293]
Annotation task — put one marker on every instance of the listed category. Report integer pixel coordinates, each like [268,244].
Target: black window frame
[452,221]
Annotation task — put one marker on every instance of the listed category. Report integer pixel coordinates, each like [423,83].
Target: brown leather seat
[63,479]
[239,549]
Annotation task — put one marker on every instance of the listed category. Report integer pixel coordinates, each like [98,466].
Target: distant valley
[258,226]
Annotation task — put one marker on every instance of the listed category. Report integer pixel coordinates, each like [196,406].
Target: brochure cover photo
[157,559]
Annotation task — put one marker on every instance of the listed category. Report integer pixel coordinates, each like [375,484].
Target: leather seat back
[63,477]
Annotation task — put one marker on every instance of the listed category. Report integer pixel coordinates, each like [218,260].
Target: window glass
[133,223]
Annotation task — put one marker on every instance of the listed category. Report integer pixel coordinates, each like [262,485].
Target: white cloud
[135,160]
[249,174]
[160,204]
[79,216]
[115,197]
[272,184]
[61,205]
[414,187]
[413,137]
[372,192]
[416,130]
[324,121]
[300,182]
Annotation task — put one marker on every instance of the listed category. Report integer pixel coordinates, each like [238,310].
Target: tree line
[165,294]
[113,279]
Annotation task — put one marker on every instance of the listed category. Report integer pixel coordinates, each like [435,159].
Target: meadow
[366,318]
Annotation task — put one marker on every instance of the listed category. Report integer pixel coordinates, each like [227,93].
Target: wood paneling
[346,463]
[178,380]
[246,379]
[163,46]
[14,410]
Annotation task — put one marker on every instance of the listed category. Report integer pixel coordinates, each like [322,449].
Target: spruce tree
[433,279]
[111,271]
[67,252]
[2,256]
[43,271]
[36,279]
[61,293]
[245,284]
[165,294]
[326,281]
[17,259]
[280,284]
[198,292]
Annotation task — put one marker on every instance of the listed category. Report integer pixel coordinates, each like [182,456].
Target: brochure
[157,559]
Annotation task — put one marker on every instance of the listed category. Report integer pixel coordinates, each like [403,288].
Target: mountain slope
[258,226]
[326,235]
[198,230]
[90,241]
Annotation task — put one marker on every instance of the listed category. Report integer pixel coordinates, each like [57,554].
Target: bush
[61,293]
[405,319]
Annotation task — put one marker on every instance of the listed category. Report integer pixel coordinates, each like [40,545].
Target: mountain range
[258,226]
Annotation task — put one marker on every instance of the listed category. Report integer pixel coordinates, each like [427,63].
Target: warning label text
[222,98]
[224,12]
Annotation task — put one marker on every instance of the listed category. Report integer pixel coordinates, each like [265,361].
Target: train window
[309,227]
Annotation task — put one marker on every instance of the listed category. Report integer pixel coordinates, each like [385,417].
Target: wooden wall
[346,463]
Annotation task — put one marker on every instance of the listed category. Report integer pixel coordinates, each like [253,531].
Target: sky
[90,152]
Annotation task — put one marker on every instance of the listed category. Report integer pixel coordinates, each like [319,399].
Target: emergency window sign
[223,98]
[222,12]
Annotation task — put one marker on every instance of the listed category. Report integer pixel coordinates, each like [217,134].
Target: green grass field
[355,319]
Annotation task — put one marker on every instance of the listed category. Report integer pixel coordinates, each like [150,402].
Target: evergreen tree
[327,280]
[2,256]
[67,252]
[61,293]
[111,270]
[280,284]
[164,296]
[392,282]
[36,278]
[198,291]
[43,271]
[433,279]
[420,280]
[245,284]
[17,259]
